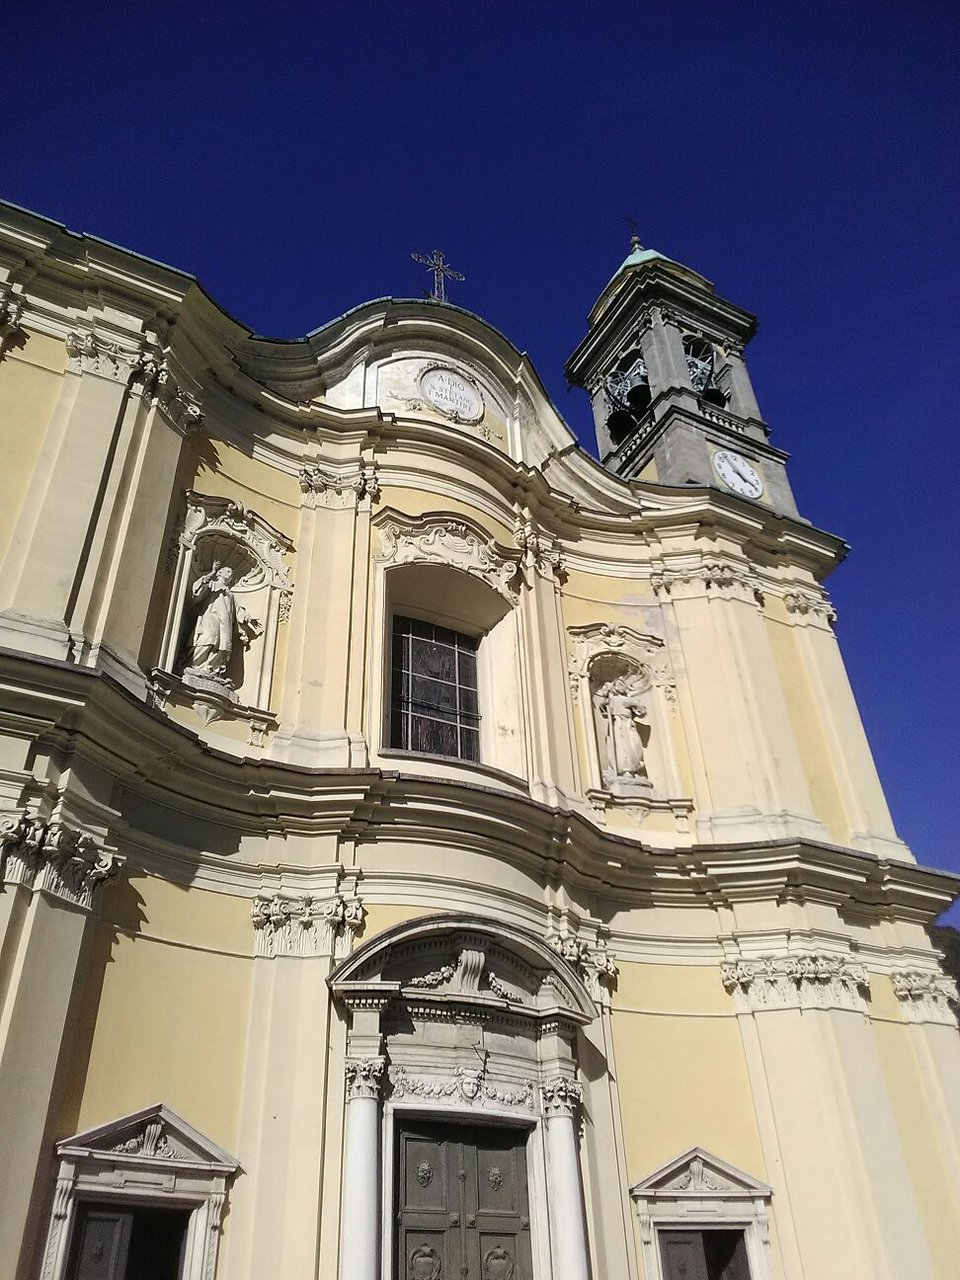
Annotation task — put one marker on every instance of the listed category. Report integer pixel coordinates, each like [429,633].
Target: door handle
[471,1220]
[454,1219]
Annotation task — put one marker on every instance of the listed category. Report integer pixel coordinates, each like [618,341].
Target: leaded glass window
[434,707]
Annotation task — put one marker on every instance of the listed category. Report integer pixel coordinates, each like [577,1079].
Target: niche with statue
[621,682]
[231,592]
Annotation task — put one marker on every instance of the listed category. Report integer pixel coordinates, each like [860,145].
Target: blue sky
[803,157]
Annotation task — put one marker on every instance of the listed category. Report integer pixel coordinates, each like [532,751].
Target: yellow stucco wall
[29,387]
[682,1074]
[172,1020]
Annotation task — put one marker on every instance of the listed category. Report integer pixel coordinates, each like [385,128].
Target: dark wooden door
[135,1243]
[703,1255]
[462,1203]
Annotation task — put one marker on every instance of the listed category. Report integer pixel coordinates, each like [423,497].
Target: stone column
[662,347]
[568,1233]
[360,1234]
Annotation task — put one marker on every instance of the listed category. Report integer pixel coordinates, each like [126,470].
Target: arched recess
[447,572]
[459,1019]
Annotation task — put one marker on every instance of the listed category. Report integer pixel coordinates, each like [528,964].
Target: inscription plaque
[451,393]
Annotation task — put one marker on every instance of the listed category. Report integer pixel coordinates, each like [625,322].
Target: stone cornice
[91,716]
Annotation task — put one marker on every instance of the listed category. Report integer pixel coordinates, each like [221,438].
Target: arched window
[628,395]
[450,671]
[702,367]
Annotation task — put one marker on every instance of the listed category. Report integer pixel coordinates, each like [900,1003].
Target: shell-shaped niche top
[446,390]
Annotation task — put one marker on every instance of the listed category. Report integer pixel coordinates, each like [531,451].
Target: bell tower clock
[672,399]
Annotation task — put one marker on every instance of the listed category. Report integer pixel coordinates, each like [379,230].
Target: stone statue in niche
[221,628]
[620,721]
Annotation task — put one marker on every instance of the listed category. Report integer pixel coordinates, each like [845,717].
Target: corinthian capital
[364,1077]
[561,1097]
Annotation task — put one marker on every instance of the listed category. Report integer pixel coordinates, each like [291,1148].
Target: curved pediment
[465,960]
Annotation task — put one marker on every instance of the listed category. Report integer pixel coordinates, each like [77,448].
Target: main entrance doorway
[462,1210]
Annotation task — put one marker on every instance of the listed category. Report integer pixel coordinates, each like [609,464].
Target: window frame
[400,706]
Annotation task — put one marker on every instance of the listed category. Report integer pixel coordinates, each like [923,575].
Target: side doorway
[127,1242]
[462,1206]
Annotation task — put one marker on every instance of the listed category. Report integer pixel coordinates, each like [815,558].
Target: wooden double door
[462,1208]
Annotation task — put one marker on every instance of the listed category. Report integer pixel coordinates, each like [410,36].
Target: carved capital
[561,1097]
[796,981]
[592,961]
[54,858]
[810,604]
[179,405]
[286,926]
[364,1077]
[718,577]
[339,487]
[90,352]
[11,312]
[541,551]
[926,996]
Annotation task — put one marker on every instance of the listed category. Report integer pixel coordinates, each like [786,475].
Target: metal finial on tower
[634,233]
[442,272]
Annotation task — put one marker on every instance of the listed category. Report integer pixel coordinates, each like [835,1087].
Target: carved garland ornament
[464,1084]
[453,543]
[53,857]
[804,981]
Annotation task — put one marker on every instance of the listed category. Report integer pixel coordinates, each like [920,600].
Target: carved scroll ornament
[449,542]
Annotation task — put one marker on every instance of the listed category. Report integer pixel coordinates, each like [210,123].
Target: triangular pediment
[700,1174]
[155,1133]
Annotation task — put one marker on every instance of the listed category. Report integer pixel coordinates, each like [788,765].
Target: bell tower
[672,399]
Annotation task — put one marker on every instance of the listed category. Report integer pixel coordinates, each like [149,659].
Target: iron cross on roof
[442,271]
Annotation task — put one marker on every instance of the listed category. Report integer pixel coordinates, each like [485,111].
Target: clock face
[737,473]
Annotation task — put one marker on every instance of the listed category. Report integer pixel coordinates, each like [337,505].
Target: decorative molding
[592,961]
[464,1084]
[153,1158]
[53,858]
[435,540]
[220,638]
[697,1191]
[926,996]
[796,981]
[154,379]
[338,488]
[810,604]
[286,926]
[561,1097]
[11,314]
[364,1077]
[153,1140]
[460,412]
[721,576]
[213,703]
[208,515]
[541,551]
[598,639]
[89,352]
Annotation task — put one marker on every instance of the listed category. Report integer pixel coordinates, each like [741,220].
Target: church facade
[428,851]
